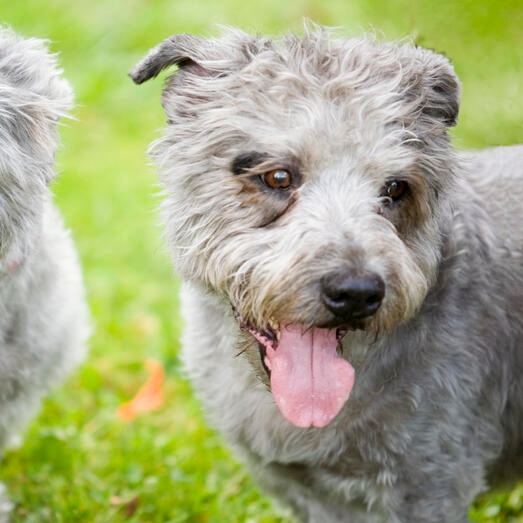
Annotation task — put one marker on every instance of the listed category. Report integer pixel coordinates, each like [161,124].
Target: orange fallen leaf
[149,397]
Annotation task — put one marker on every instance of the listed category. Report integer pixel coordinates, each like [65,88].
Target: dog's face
[306,182]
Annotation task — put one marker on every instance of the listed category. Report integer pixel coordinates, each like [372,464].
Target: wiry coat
[435,415]
[43,314]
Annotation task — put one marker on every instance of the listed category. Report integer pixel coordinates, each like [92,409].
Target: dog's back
[496,176]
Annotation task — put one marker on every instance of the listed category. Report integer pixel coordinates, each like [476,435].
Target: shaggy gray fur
[44,319]
[435,415]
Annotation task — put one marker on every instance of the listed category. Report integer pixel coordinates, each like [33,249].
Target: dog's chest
[243,408]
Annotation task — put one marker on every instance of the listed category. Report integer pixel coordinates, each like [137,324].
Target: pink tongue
[309,381]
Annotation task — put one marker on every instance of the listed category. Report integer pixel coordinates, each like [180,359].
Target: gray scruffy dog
[44,320]
[352,285]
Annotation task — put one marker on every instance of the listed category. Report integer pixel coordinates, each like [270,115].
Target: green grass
[80,462]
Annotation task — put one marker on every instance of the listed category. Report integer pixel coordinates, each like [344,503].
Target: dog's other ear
[441,87]
[183,50]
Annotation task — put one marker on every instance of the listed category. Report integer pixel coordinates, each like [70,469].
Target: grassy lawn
[80,462]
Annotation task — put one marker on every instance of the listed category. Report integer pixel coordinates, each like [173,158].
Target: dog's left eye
[277,179]
[395,189]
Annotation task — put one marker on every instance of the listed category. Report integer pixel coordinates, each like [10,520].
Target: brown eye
[277,179]
[395,189]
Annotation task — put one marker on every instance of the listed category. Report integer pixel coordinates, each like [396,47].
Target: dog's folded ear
[204,57]
[183,50]
[204,66]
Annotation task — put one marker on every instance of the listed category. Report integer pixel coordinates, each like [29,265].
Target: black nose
[351,297]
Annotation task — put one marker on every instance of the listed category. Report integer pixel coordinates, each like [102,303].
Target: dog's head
[307,183]
[33,96]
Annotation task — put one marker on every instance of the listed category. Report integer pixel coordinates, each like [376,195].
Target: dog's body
[320,219]
[44,319]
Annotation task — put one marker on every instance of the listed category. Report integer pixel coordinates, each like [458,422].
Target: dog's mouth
[310,381]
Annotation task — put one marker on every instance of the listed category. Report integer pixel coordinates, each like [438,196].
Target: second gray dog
[352,285]
[44,321]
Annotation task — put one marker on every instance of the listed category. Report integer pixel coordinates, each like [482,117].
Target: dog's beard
[310,381]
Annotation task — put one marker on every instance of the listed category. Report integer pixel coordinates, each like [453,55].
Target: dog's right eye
[278,179]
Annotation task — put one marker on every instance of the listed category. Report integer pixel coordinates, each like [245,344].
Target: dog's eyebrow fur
[246,161]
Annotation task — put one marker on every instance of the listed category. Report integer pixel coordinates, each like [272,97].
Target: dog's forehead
[332,67]
[319,130]
[349,80]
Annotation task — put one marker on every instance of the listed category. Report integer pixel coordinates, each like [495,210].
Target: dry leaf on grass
[149,397]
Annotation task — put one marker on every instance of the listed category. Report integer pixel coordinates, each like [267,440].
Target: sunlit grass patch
[80,461]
